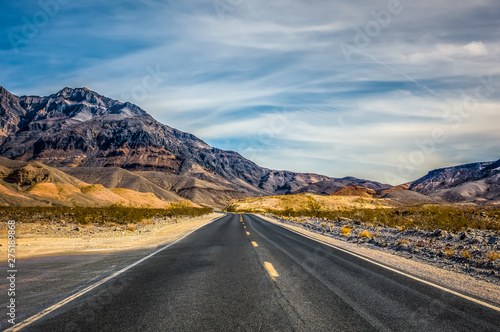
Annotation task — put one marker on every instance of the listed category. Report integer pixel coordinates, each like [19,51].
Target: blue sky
[384,90]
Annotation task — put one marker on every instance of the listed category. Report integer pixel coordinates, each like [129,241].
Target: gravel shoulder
[475,285]
[50,239]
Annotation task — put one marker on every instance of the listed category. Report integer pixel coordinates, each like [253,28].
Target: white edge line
[50,309]
[390,268]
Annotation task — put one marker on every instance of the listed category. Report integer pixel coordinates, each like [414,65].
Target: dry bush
[426,217]
[402,241]
[365,234]
[346,231]
[448,251]
[492,255]
[130,228]
[466,254]
[85,215]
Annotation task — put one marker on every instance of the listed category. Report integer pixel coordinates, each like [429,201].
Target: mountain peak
[80,94]
[79,104]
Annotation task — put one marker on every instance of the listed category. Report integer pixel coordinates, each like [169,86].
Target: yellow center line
[248,233]
[271,270]
[255,244]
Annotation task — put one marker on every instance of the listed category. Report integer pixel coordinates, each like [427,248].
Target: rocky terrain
[80,128]
[473,252]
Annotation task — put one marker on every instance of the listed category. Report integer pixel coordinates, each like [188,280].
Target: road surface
[246,274]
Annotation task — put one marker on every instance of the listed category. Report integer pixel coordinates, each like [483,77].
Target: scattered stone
[76,229]
[437,233]
[492,240]
[473,241]
[469,248]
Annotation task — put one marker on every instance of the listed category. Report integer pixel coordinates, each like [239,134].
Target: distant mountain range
[97,140]
[117,144]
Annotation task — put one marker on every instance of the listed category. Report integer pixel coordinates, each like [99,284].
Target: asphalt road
[256,276]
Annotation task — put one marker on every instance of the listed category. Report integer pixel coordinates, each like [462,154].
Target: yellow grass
[466,254]
[346,231]
[402,241]
[448,251]
[365,233]
[303,202]
[492,255]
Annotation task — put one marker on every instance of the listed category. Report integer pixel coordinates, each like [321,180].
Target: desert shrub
[365,233]
[110,214]
[425,217]
[466,254]
[346,231]
[402,241]
[448,251]
[492,255]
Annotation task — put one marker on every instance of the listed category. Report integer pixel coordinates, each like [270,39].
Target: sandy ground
[35,240]
[449,279]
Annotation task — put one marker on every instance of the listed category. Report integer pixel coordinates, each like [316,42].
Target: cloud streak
[225,80]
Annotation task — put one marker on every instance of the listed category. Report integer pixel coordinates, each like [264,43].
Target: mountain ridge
[475,182]
[80,128]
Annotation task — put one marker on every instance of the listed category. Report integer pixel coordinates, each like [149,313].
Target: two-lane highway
[241,273]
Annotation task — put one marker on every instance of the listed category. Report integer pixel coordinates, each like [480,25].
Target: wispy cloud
[226,80]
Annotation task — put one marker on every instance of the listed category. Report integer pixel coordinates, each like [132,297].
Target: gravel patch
[434,256]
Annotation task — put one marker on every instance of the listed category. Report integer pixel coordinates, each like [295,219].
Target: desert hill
[36,184]
[355,191]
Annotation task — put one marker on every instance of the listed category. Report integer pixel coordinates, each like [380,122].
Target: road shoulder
[452,280]
[50,240]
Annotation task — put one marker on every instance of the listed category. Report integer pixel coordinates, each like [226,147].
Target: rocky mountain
[80,128]
[476,182]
